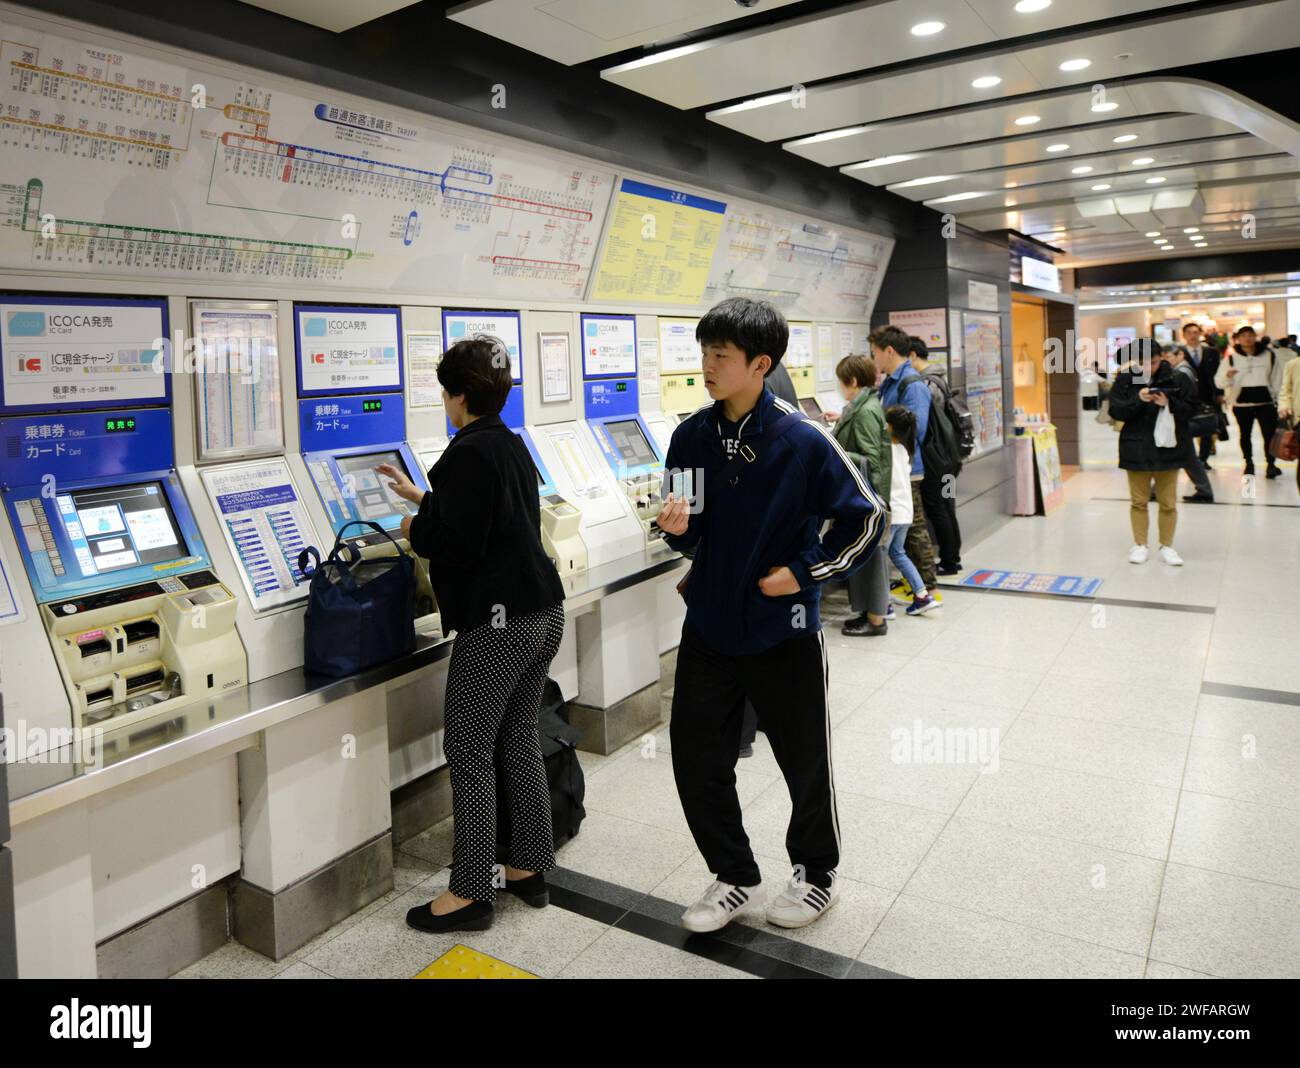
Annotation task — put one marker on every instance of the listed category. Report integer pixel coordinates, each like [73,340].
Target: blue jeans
[897,536]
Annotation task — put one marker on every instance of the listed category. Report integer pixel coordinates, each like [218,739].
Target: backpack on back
[951,434]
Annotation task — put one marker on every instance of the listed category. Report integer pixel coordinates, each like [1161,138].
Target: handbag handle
[308,555]
[340,544]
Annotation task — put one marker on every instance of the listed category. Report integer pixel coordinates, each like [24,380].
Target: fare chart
[116,162]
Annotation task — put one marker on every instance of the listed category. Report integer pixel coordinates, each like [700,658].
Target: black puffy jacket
[1137,444]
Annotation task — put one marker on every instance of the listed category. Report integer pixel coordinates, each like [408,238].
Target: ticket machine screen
[630,442]
[374,500]
[810,407]
[116,527]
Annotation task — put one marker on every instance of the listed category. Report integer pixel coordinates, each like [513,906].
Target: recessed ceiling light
[1168,248]
[1028,120]
[1076,64]
[926,29]
[1142,161]
[931,180]
[1100,188]
[1192,230]
[884,161]
[1125,138]
[1155,181]
[986,82]
[1060,147]
[1153,233]
[1080,170]
[1108,105]
[1026,7]
[957,196]
[1160,241]
[1195,280]
[1200,244]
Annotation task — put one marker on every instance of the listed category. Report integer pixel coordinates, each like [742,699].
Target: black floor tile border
[1163,606]
[1250,693]
[1226,504]
[760,953]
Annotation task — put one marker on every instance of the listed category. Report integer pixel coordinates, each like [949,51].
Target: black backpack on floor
[563,773]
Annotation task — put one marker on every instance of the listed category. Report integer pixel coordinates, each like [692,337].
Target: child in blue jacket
[765,480]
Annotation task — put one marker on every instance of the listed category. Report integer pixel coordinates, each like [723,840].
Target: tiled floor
[1117,821]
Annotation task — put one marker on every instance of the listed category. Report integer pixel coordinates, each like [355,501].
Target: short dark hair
[891,337]
[917,347]
[903,424]
[857,370]
[753,326]
[1242,329]
[477,368]
[1188,326]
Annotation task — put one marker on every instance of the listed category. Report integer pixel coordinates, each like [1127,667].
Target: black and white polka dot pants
[494,688]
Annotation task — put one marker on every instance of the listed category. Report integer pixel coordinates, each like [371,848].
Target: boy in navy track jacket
[752,626]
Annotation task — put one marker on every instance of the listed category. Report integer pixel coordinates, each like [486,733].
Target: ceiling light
[926,29]
[1155,181]
[1125,138]
[1168,248]
[1153,233]
[1192,230]
[1028,120]
[1142,161]
[1108,105]
[1195,280]
[1160,241]
[1026,7]
[1057,147]
[931,180]
[884,161]
[1200,244]
[956,196]
[1012,185]
[1076,64]
[986,82]
[1080,170]
[1100,188]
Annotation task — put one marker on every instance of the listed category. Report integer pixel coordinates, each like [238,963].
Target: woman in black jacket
[1145,386]
[479,527]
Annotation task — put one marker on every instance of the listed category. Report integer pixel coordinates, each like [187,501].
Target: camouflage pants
[918,546]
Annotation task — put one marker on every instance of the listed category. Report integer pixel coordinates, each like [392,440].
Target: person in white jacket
[1246,375]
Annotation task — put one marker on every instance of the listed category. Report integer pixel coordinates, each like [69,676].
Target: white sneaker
[800,903]
[1170,557]
[720,904]
[1138,554]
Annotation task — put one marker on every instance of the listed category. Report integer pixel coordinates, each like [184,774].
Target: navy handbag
[359,612]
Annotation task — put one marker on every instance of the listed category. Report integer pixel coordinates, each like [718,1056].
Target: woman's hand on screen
[400,484]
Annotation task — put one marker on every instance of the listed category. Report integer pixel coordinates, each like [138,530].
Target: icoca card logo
[314,326]
[26,324]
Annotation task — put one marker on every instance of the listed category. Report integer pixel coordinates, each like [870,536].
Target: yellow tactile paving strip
[461,962]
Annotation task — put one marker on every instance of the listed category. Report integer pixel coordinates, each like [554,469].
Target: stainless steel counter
[232,722]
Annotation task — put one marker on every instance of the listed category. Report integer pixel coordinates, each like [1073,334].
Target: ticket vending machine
[561,521]
[122,617]
[559,518]
[351,418]
[566,453]
[610,403]
[681,370]
[799,361]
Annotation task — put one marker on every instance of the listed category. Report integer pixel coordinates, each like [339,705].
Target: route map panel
[113,162]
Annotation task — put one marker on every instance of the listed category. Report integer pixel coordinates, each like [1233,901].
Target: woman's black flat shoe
[473,917]
[532,891]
